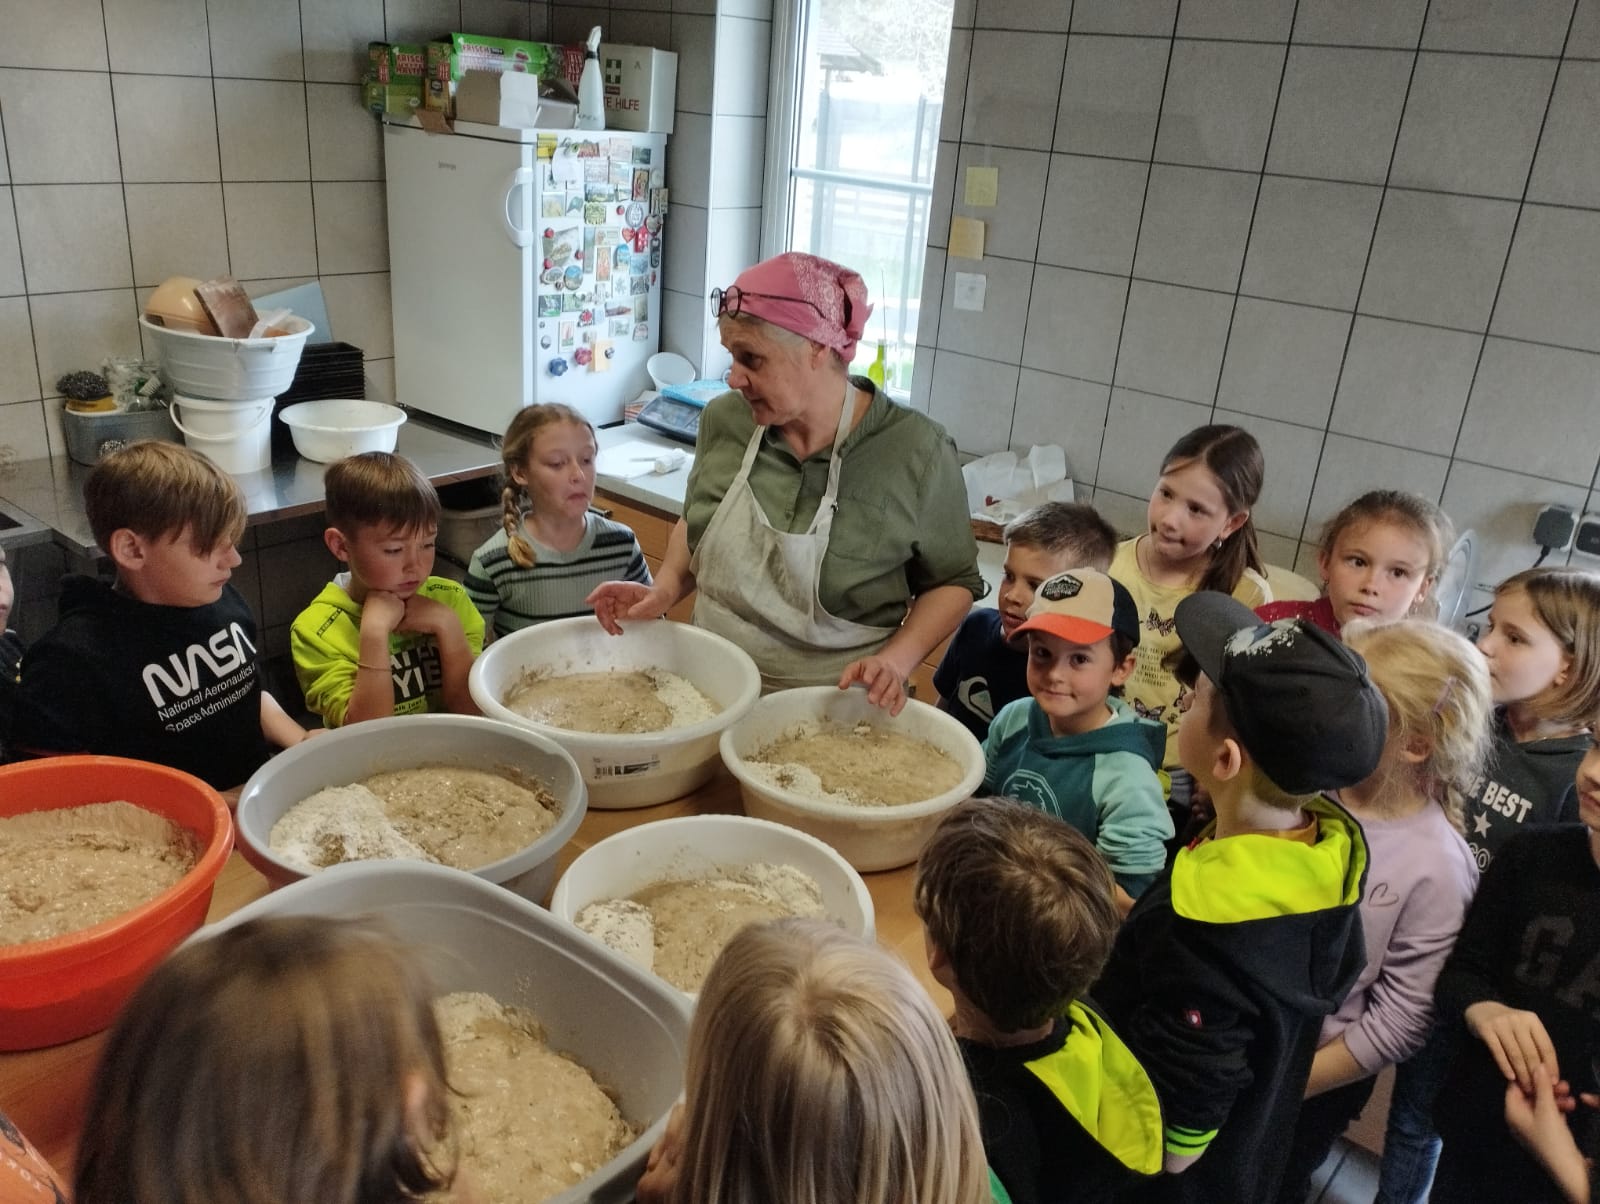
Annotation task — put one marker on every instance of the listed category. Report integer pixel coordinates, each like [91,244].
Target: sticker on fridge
[619,173]
[560,243]
[549,305]
[621,328]
[596,171]
[594,213]
[553,204]
[641,156]
[641,332]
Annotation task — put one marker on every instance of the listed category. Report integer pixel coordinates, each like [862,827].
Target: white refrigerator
[525,266]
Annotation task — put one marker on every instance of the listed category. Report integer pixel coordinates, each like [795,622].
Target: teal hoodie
[1103,782]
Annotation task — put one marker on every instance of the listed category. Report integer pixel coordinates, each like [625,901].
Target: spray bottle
[591,91]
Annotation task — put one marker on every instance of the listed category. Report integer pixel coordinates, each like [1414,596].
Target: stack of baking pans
[327,371]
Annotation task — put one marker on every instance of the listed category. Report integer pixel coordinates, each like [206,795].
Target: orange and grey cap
[1083,606]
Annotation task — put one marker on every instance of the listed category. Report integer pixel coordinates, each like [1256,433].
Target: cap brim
[1206,622]
[1068,627]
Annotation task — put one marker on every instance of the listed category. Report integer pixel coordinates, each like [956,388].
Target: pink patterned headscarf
[779,288]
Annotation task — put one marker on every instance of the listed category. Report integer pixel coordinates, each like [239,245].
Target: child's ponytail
[1234,459]
[518,544]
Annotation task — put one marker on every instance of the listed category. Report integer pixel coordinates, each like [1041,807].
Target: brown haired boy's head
[383,517]
[1018,906]
[169,518]
[1044,541]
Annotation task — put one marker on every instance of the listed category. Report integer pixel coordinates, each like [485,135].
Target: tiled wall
[1367,230]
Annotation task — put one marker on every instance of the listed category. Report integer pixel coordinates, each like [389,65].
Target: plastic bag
[1001,486]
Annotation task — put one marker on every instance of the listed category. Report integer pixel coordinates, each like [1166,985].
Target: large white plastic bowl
[627,1028]
[326,431]
[636,770]
[349,754]
[223,369]
[698,846]
[870,838]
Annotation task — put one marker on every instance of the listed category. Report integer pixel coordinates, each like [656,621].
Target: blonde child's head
[1200,508]
[1437,687]
[1382,554]
[546,432]
[821,1073]
[1019,906]
[279,1062]
[1542,642]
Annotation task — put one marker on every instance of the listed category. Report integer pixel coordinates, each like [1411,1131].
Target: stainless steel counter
[51,489]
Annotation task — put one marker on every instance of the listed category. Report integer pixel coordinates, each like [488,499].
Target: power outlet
[1588,540]
[1554,528]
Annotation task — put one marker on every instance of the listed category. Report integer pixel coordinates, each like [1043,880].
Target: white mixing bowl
[870,838]
[699,846]
[634,770]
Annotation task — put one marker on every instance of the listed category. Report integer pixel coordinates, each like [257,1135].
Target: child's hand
[1539,1122]
[383,610]
[617,600]
[886,685]
[1516,1039]
[661,1170]
[7,594]
[425,616]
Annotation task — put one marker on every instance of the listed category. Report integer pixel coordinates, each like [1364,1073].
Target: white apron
[758,586]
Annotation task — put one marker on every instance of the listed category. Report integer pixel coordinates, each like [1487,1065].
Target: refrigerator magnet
[641,183]
[619,173]
[621,149]
[594,213]
[573,277]
[641,332]
[596,171]
[569,335]
[641,156]
[621,328]
[549,305]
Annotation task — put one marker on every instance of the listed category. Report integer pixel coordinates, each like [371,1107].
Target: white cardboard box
[641,87]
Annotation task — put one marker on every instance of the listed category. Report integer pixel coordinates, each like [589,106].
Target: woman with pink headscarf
[825,527]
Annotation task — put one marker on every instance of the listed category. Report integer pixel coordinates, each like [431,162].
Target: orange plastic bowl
[70,986]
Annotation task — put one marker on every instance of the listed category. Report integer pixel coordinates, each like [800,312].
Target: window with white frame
[853,133]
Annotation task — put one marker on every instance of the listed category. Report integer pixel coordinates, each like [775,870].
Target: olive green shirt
[901,527]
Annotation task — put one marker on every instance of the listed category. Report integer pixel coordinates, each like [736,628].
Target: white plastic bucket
[208,365]
[236,436]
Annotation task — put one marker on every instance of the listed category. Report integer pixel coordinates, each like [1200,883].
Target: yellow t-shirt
[1152,691]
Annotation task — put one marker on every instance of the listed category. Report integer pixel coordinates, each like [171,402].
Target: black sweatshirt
[1524,785]
[1531,941]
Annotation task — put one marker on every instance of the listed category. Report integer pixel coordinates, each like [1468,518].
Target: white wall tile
[1254,20]
[1195,225]
[1128,516]
[922,378]
[1501,507]
[1283,361]
[932,298]
[1392,23]
[1309,241]
[1277,550]
[1012,223]
[19,373]
[359,312]
[683,254]
[270,230]
[11,282]
[176,230]
[167,129]
[1046,16]
[741,145]
[955,84]
[1471,123]
[1567,170]
[257,39]
[1074,321]
[1291,454]
[1172,341]
[1584,40]
[733,243]
[571,23]
[741,73]
[943,198]
[346,139]
[79,330]
[1064,411]
[1405,384]
[63,34]
[5,170]
[1338,113]
[73,236]
[1351,467]
[22,432]
[694,38]
[1551,291]
[165,37]
[1009,102]
[352,226]
[1531,407]
[997,331]
[378,380]
[1111,96]
[973,399]
[59,125]
[689,165]
[497,18]
[1091,213]
[1437,258]
[1139,430]
[1218,107]
[1124,16]
[1497,26]
[632,27]
[261,128]
[335,34]
[419,20]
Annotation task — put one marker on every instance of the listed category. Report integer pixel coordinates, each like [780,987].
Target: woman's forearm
[933,616]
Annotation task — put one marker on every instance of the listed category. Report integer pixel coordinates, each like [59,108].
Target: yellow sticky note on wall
[983,187]
[966,238]
[602,356]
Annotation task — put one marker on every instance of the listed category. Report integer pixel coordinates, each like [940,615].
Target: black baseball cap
[1302,703]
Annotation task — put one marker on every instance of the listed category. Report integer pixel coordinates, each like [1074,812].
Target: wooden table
[44,1091]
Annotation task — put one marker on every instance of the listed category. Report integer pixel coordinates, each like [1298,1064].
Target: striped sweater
[511,597]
